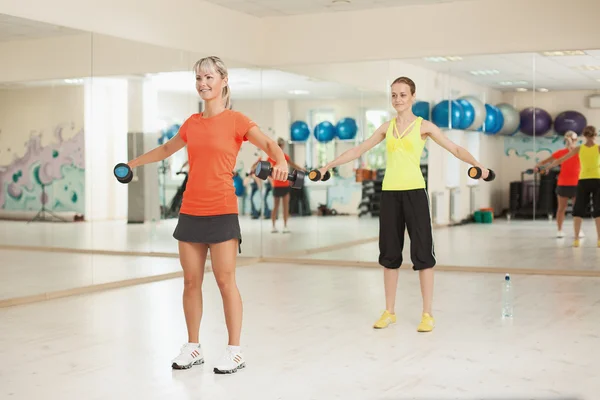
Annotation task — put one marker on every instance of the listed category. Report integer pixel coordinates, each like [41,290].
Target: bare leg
[275,210]
[561,210]
[597,227]
[286,209]
[223,256]
[192,258]
[390,283]
[426,279]
[577,226]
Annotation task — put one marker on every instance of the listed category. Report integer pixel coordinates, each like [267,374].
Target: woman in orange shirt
[208,217]
[567,179]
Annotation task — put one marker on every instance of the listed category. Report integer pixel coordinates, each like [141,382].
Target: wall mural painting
[54,175]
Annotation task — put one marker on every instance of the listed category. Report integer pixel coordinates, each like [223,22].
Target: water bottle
[507,298]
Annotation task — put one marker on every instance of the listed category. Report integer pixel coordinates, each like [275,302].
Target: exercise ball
[442,111]
[324,131]
[535,121]
[468,116]
[493,120]
[421,109]
[479,109]
[172,131]
[511,119]
[299,131]
[346,129]
[569,121]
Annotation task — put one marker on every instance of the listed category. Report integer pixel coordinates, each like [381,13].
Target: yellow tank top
[403,165]
[590,162]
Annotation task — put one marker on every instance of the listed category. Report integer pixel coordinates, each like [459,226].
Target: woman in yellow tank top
[404,200]
[589,180]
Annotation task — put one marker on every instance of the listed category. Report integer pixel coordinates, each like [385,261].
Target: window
[375,158]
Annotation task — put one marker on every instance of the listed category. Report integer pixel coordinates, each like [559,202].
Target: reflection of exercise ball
[493,120]
[569,121]
[346,129]
[442,111]
[468,116]
[479,109]
[169,133]
[511,119]
[421,109]
[539,127]
[299,131]
[324,131]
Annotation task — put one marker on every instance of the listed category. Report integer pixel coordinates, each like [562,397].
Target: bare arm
[457,151]
[544,162]
[563,158]
[269,146]
[160,153]
[357,151]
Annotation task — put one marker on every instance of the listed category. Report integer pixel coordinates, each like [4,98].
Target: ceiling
[271,8]
[13,28]
[507,72]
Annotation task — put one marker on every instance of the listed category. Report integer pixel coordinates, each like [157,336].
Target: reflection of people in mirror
[567,179]
[404,200]
[281,192]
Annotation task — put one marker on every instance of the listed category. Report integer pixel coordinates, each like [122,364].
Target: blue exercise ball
[172,131]
[538,126]
[421,109]
[447,114]
[570,121]
[479,110]
[468,115]
[299,131]
[493,120]
[346,129]
[511,119]
[324,132]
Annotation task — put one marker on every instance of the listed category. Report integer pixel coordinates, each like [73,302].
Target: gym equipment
[315,176]
[299,131]
[346,129]
[539,127]
[511,119]
[533,198]
[493,120]
[476,172]
[172,211]
[570,121]
[421,109]
[447,114]
[264,169]
[324,132]
[479,109]
[468,116]
[123,173]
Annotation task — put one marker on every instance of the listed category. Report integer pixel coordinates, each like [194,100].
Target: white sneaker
[560,234]
[190,355]
[230,363]
[581,234]
[274,230]
[286,230]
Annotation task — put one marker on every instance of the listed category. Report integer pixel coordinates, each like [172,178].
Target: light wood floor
[307,335]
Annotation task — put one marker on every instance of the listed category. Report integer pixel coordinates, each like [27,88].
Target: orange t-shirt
[569,170]
[280,183]
[213,145]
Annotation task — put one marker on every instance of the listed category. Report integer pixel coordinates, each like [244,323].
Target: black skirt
[208,229]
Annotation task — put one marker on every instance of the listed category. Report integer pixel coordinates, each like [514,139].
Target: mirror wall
[66,223]
[510,111]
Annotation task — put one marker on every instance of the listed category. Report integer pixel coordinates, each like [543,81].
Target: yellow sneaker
[385,320]
[576,243]
[598,242]
[427,323]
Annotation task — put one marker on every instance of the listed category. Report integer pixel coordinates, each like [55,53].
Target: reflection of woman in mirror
[281,191]
[589,180]
[209,213]
[404,199]
[567,179]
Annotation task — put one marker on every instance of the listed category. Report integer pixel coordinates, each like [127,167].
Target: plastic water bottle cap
[507,277]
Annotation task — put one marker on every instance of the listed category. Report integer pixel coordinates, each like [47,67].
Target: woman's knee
[225,280]
[192,281]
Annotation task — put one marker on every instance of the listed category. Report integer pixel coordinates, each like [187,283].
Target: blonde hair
[570,135]
[214,64]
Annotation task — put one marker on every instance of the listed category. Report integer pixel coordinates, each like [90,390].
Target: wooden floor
[307,335]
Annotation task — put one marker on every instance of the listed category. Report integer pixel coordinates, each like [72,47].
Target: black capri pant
[587,188]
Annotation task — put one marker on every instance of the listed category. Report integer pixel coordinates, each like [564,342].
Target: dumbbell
[315,175]
[123,173]
[475,173]
[264,169]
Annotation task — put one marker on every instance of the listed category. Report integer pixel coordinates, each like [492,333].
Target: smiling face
[211,79]
[403,94]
